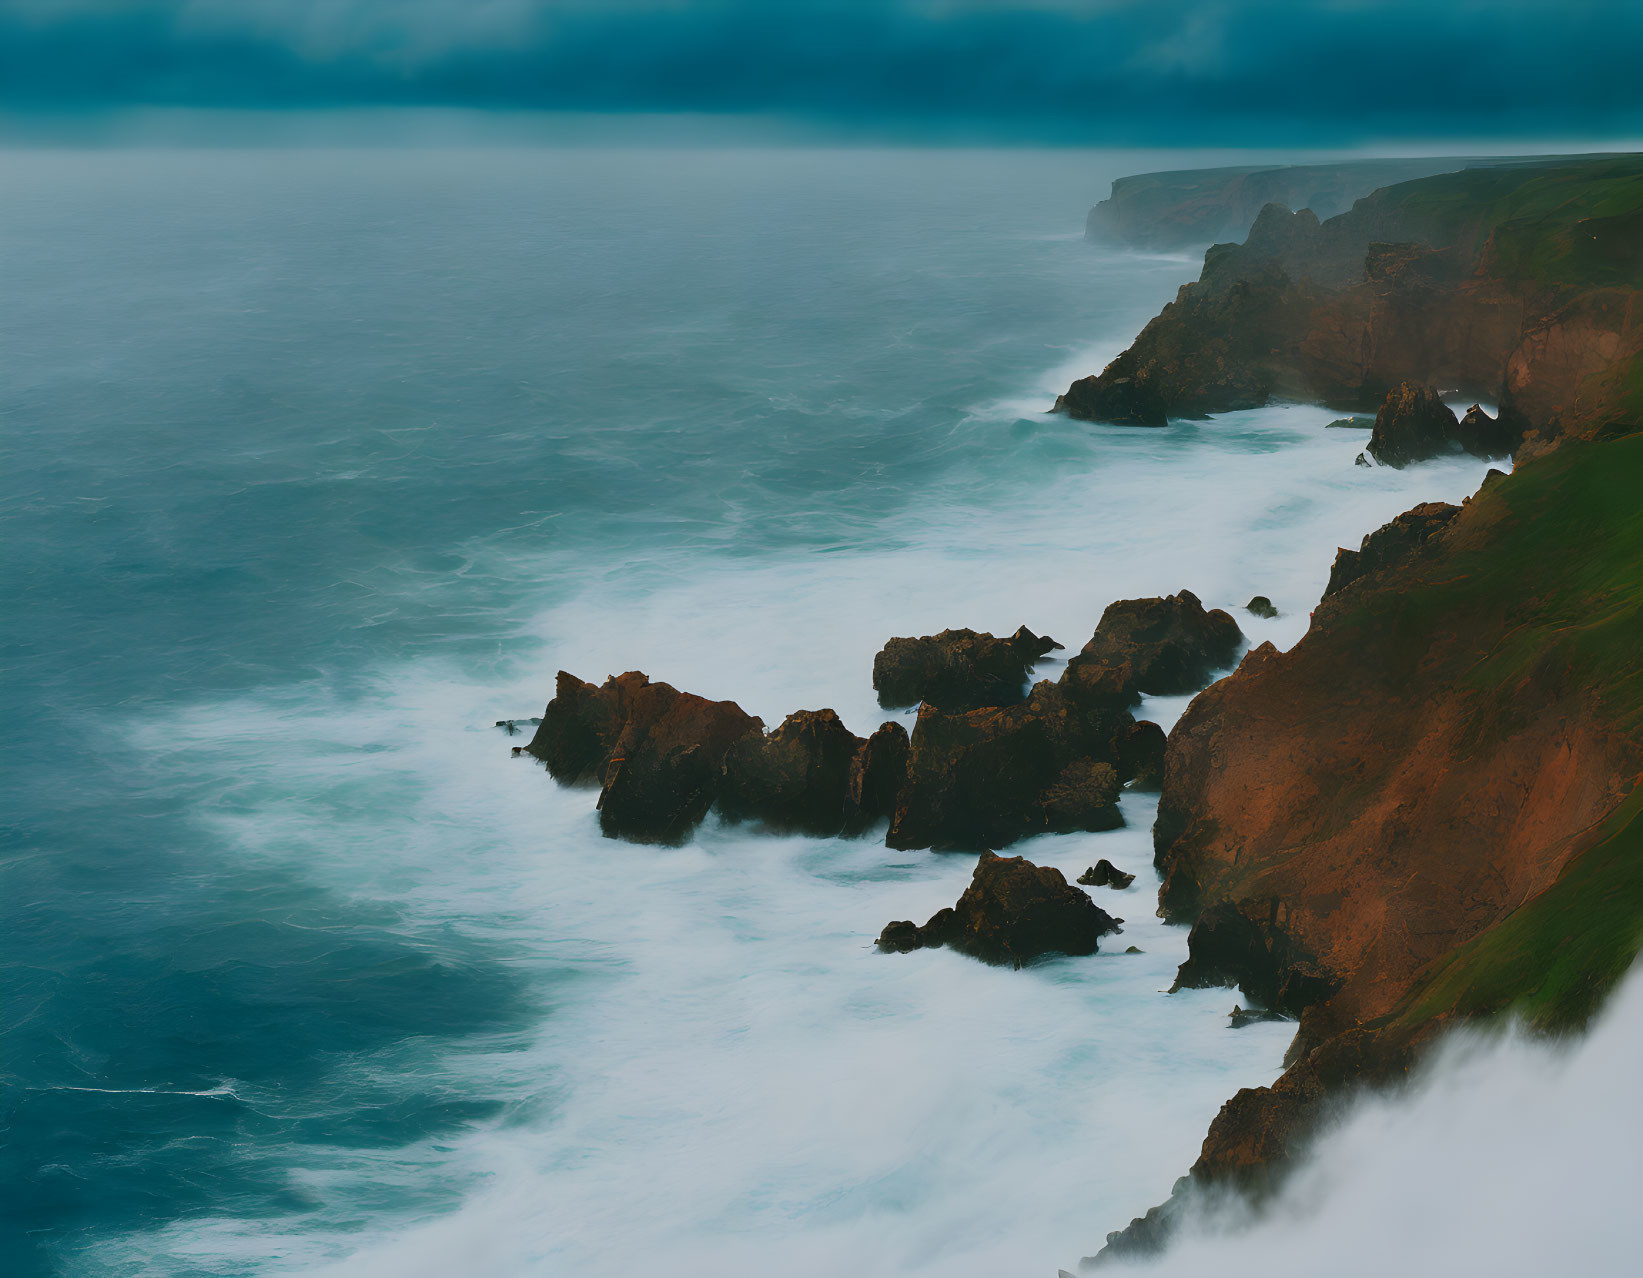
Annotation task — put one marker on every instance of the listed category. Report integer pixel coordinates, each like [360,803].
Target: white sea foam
[728,1079]
[1509,1155]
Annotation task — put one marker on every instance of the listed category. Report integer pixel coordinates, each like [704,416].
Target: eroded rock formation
[656,753]
[1390,545]
[1105,874]
[958,669]
[1168,646]
[1013,911]
[797,778]
[1428,808]
[988,777]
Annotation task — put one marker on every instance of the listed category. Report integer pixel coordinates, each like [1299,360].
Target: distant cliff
[1192,207]
[1513,283]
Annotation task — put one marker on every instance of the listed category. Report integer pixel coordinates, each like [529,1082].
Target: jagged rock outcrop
[657,753]
[1413,424]
[1013,911]
[1105,874]
[877,771]
[1390,545]
[1486,436]
[988,777]
[1169,646]
[796,778]
[1118,401]
[958,669]
[1246,943]
[1141,755]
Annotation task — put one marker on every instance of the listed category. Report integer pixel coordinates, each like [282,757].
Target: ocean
[317,462]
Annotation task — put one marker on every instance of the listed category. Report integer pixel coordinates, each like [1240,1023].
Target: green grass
[1554,225]
[1552,960]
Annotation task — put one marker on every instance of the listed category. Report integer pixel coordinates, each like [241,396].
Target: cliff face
[1513,283]
[1428,808]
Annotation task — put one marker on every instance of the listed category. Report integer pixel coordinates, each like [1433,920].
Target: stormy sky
[1096,70]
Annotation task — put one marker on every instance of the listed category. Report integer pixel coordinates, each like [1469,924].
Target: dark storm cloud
[1114,71]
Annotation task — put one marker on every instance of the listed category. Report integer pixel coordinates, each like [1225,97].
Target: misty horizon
[1263,73]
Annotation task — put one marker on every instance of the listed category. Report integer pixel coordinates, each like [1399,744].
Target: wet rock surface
[1012,912]
[1168,646]
[656,753]
[1413,424]
[958,669]
[797,778]
[1105,874]
[1117,401]
[876,773]
[1141,755]
[1247,944]
[985,778]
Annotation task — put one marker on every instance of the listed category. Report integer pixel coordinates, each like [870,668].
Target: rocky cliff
[1427,810]
[1516,284]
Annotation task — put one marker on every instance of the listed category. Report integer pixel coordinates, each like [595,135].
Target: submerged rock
[657,753]
[1351,423]
[1105,874]
[958,669]
[1169,646]
[1242,1016]
[797,778]
[1261,606]
[1013,911]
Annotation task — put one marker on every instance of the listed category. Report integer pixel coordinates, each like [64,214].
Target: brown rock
[1391,545]
[877,771]
[797,778]
[1246,943]
[988,777]
[1084,797]
[1105,874]
[1012,912]
[658,753]
[1141,755]
[1117,400]
[1170,646]
[1413,424]
[1486,436]
[958,669]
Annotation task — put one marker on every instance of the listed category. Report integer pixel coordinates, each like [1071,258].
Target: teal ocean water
[314,463]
